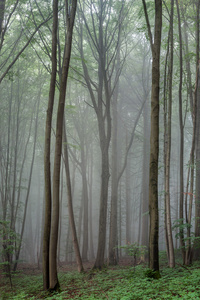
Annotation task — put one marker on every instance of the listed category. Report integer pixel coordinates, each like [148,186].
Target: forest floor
[122,282]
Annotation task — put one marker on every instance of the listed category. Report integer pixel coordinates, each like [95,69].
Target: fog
[107,121]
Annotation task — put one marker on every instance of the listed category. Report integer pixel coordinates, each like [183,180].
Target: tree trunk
[2,10]
[47,149]
[70,205]
[145,179]
[70,17]
[90,206]
[29,185]
[167,145]
[112,258]
[154,139]
[181,217]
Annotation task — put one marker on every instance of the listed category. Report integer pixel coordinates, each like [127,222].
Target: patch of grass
[113,283]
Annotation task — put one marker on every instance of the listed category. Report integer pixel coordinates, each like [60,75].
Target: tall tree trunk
[112,258]
[70,205]
[168,115]
[2,10]
[90,206]
[154,139]
[197,152]
[181,216]
[85,213]
[128,199]
[145,179]
[47,149]
[29,186]
[197,138]
[70,17]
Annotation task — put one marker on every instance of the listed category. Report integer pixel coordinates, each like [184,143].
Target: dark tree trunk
[154,139]
[70,17]
[47,149]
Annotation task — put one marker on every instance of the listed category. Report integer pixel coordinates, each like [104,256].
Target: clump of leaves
[135,250]
[9,240]
[152,274]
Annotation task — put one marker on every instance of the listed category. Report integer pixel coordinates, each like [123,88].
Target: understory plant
[8,244]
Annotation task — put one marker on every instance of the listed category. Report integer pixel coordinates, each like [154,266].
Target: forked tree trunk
[47,149]
[70,17]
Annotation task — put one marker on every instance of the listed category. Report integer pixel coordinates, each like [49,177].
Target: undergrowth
[113,283]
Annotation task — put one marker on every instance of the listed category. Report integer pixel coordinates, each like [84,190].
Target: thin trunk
[70,205]
[128,201]
[145,179]
[29,186]
[112,258]
[47,149]
[181,217]
[2,10]
[70,17]
[85,204]
[91,205]
[168,225]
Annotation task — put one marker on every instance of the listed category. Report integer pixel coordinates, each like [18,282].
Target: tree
[47,148]
[5,24]
[104,45]
[167,142]
[197,138]
[70,206]
[154,139]
[70,17]
[181,125]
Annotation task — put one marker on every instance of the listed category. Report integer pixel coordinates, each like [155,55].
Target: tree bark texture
[70,17]
[154,138]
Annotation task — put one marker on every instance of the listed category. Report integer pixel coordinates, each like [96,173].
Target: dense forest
[100,137]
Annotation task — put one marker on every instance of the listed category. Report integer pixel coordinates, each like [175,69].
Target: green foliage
[152,274]
[134,249]
[113,283]
[181,225]
[9,241]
